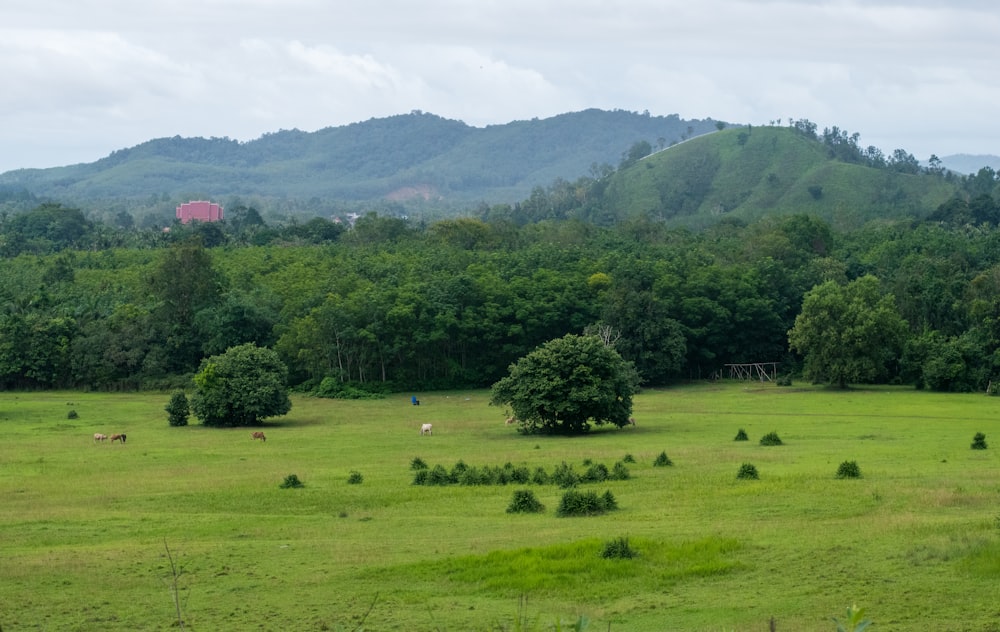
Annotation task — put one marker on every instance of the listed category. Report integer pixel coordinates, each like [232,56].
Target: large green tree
[848,333]
[241,387]
[567,383]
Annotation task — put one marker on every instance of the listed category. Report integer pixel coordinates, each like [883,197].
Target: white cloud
[86,77]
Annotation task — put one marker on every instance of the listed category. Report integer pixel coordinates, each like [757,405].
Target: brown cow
[258,435]
[118,437]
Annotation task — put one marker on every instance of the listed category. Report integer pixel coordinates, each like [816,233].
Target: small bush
[178,409]
[629,458]
[420,478]
[565,476]
[979,441]
[748,471]
[72,415]
[741,435]
[355,478]
[618,549]
[520,475]
[439,476]
[332,388]
[574,503]
[596,473]
[619,472]
[609,501]
[849,469]
[540,477]
[524,501]
[417,464]
[663,460]
[291,481]
[771,438]
[458,469]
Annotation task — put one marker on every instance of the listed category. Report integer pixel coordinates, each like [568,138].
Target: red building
[199,211]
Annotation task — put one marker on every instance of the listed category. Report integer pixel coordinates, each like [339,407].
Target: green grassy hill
[766,171]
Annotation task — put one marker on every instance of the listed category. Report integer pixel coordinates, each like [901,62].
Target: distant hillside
[768,171]
[406,157]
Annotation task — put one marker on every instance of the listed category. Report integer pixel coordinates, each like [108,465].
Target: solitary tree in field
[567,383]
[848,333]
[241,387]
[178,409]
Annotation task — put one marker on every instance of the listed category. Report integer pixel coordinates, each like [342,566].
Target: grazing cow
[118,437]
[631,421]
[426,429]
[511,421]
[258,435]
[100,437]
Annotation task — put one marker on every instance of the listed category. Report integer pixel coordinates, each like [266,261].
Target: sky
[82,78]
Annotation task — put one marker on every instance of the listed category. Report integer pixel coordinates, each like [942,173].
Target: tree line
[391,304]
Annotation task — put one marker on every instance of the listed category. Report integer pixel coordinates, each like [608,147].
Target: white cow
[100,437]
[426,429]
[511,421]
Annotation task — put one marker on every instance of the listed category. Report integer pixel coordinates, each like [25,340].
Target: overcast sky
[82,78]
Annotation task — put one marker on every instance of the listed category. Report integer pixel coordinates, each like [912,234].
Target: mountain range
[697,170]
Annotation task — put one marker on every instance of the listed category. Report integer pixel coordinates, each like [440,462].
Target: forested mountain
[596,166]
[408,159]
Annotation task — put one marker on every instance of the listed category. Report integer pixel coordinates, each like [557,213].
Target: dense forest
[386,302]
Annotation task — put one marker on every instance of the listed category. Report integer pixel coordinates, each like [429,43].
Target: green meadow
[88,531]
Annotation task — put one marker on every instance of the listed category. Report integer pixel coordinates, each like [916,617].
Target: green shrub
[355,478]
[417,464]
[849,469]
[575,503]
[596,473]
[457,470]
[609,501]
[979,441]
[663,460]
[747,471]
[178,409]
[332,388]
[520,475]
[540,477]
[565,476]
[618,549]
[771,438]
[629,458]
[524,501]
[291,481]
[741,435]
[439,476]
[420,478]
[72,414]
[619,472]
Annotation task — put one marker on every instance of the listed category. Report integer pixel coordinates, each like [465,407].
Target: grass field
[85,528]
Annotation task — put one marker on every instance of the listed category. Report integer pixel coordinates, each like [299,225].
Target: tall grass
[915,541]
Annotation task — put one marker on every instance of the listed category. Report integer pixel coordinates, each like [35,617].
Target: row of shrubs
[564,475]
[572,503]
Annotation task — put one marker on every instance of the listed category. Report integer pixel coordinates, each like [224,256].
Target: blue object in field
[414,400]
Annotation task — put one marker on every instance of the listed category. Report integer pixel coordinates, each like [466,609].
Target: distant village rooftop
[199,211]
